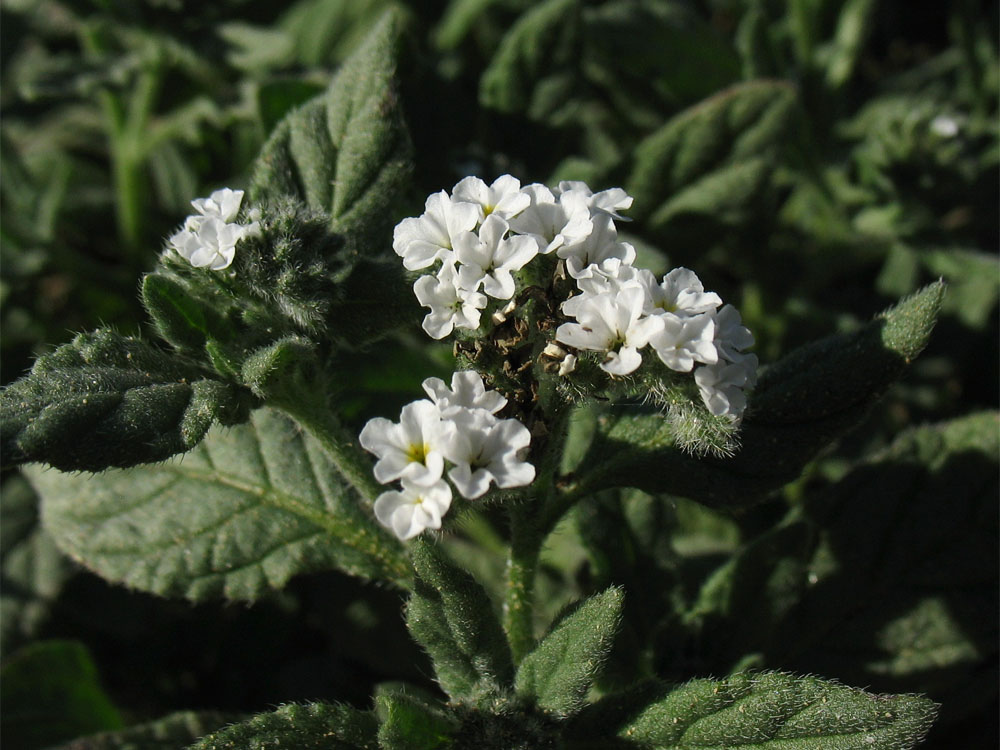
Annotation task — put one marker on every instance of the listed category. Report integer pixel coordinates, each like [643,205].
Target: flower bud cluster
[208,239]
[471,244]
[455,428]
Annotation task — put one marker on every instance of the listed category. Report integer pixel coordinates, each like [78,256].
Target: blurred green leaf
[459,18]
[525,73]
[565,663]
[33,568]
[51,692]
[974,280]
[237,517]
[313,726]
[853,28]
[651,58]
[714,157]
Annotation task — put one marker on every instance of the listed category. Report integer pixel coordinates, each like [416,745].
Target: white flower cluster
[621,309]
[480,235]
[457,425]
[208,239]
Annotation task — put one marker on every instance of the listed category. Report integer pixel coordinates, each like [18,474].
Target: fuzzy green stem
[528,528]
[519,604]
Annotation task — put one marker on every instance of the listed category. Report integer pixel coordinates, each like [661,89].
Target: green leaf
[525,73]
[34,570]
[347,152]
[50,692]
[174,732]
[412,721]
[109,400]
[314,726]
[180,319]
[561,669]
[853,27]
[975,279]
[270,367]
[649,58]
[461,17]
[769,711]
[712,158]
[879,578]
[452,617]
[809,398]
[238,516]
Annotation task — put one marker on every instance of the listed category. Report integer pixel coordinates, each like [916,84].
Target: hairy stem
[519,604]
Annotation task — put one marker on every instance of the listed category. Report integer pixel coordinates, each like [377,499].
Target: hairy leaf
[50,692]
[109,400]
[561,669]
[239,515]
[34,569]
[183,320]
[879,578]
[768,711]
[172,732]
[451,616]
[520,77]
[711,159]
[347,152]
[314,726]
[655,57]
[809,398]
[411,721]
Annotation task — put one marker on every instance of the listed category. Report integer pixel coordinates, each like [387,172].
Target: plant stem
[529,526]
[519,605]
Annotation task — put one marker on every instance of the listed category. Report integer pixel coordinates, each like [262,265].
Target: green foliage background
[812,160]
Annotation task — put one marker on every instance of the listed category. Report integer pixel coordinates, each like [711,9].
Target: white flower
[467,392]
[731,336]
[414,509]
[485,449]
[681,292]
[430,237]
[503,198]
[611,276]
[223,204]
[208,239]
[489,259]
[597,247]
[721,385]
[451,306]
[682,341]
[608,201]
[614,324]
[553,222]
[412,449]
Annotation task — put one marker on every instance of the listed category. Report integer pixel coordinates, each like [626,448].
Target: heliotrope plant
[576,371]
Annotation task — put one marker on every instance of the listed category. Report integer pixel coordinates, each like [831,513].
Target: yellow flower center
[418,452]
